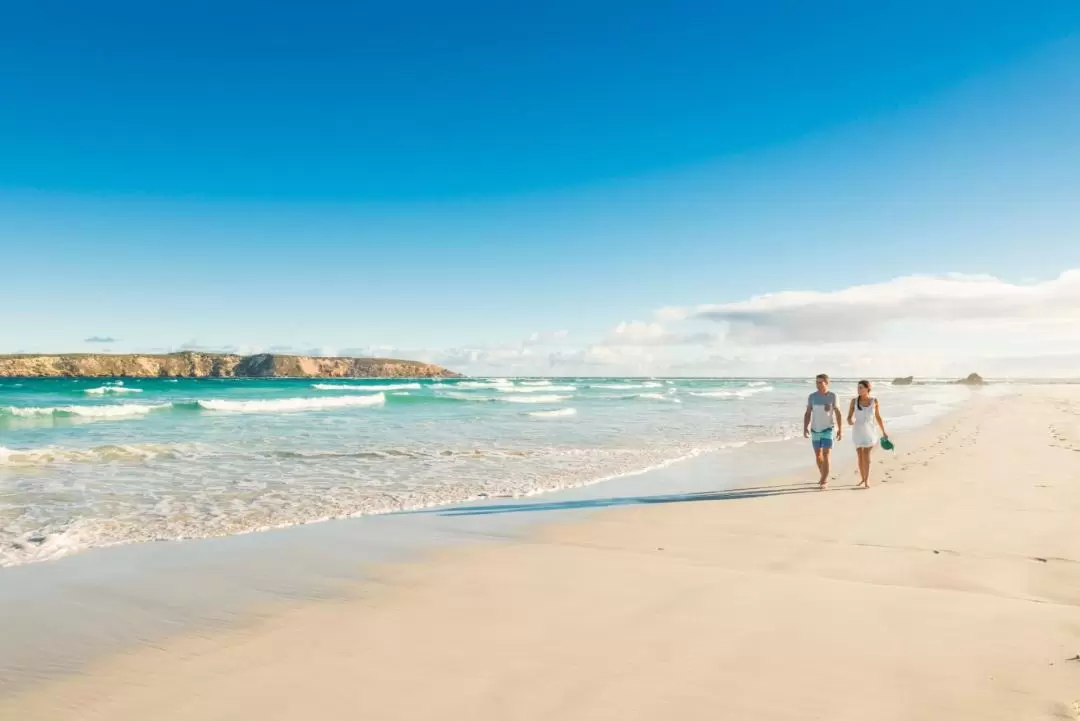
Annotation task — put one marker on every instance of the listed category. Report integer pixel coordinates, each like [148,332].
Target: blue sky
[517,189]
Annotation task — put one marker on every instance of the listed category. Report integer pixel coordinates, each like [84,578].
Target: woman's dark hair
[866,384]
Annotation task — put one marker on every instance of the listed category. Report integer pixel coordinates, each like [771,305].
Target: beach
[949,590]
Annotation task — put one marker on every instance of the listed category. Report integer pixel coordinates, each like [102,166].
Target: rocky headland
[192,364]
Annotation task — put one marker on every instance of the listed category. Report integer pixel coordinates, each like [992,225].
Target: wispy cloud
[100,339]
[866,311]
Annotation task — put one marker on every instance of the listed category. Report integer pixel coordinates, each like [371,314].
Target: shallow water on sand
[89,463]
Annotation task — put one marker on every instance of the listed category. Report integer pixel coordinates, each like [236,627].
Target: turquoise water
[88,463]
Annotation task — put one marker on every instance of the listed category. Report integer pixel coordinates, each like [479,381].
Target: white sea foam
[509,398]
[732,392]
[458,396]
[657,397]
[368,389]
[534,383]
[111,389]
[627,386]
[557,413]
[125,410]
[536,389]
[119,452]
[535,399]
[482,384]
[292,405]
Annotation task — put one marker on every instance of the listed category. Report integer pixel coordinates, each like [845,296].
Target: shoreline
[160,576]
[949,590]
[212,584]
[51,552]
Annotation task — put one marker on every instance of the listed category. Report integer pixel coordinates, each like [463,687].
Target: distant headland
[193,364]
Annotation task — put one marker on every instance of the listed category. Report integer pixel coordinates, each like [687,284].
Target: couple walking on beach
[822,420]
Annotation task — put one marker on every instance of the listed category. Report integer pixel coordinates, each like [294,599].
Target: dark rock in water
[905,381]
[972,380]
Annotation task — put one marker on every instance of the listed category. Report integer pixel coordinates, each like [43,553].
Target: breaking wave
[733,392]
[111,389]
[292,405]
[369,389]
[557,413]
[535,399]
[124,410]
[536,389]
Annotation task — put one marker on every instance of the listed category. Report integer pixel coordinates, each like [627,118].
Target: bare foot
[823,483]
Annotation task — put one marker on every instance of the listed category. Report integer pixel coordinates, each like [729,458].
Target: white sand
[950,591]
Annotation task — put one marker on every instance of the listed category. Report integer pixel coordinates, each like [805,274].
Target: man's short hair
[823,377]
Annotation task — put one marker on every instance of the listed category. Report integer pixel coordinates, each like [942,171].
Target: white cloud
[867,312]
[940,326]
[607,359]
[638,333]
[556,337]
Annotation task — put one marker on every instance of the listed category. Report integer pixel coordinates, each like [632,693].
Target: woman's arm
[881,423]
[851,413]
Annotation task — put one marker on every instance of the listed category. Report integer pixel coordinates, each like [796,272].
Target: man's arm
[806,420]
[839,419]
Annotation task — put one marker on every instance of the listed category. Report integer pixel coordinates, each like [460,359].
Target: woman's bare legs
[864,466]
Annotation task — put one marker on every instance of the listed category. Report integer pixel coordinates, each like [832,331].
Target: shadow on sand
[733,495]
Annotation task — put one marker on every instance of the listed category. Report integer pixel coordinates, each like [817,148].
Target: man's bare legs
[821,455]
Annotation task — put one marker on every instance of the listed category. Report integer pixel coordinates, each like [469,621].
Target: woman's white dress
[864,432]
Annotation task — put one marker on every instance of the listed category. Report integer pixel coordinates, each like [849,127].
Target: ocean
[87,463]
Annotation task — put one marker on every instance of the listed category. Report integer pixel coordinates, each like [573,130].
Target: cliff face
[190,364]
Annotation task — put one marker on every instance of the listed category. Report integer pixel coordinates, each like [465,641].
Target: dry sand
[949,590]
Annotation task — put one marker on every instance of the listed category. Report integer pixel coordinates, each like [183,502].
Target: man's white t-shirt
[822,410]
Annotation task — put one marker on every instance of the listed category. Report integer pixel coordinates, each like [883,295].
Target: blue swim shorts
[821,439]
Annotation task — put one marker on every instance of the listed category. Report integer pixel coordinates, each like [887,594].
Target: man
[821,420]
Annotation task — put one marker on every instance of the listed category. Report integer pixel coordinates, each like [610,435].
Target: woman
[863,414]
